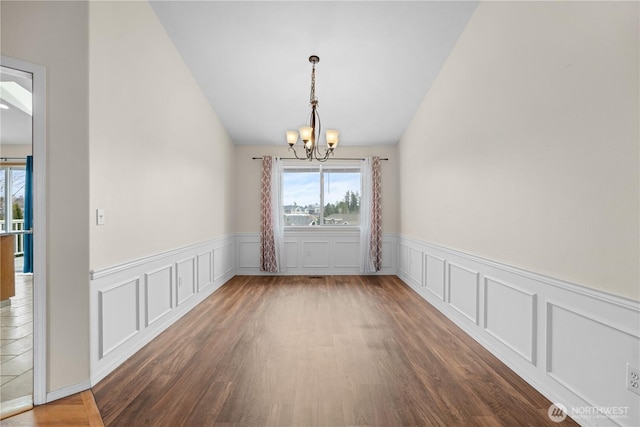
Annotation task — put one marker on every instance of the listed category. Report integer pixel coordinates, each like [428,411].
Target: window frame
[350,166]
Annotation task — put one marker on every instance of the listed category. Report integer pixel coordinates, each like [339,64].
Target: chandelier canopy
[310,133]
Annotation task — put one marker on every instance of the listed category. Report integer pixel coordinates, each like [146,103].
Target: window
[12,181]
[321,196]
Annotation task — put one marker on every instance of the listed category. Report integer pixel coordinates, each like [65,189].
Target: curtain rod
[330,158]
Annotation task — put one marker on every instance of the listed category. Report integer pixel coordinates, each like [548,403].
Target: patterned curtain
[268,258]
[370,224]
[376,222]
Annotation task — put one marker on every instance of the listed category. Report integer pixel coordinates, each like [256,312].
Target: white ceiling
[377,61]
[15,122]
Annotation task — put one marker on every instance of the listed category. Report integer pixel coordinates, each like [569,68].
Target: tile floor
[16,342]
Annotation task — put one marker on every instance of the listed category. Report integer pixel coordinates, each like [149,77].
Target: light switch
[100,216]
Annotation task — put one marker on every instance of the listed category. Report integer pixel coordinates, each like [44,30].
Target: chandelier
[310,133]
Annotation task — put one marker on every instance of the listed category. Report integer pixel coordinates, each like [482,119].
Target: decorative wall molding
[132,303]
[462,290]
[111,270]
[185,279]
[570,342]
[435,275]
[119,314]
[515,324]
[315,252]
[158,297]
[205,269]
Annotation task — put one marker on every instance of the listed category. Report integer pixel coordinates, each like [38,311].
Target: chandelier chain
[312,99]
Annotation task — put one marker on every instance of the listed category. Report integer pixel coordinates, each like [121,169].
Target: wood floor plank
[329,351]
[78,410]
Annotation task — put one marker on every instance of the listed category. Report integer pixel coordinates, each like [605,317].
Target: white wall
[524,158]
[525,149]
[16,150]
[161,162]
[55,34]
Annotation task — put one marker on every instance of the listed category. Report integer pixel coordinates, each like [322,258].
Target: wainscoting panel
[205,269]
[388,255]
[435,275]
[158,286]
[218,263]
[415,266]
[249,255]
[315,252]
[578,360]
[132,303]
[229,261]
[403,260]
[570,342]
[291,254]
[463,291]
[185,279]
[119,322]
[347,254]
[510,316]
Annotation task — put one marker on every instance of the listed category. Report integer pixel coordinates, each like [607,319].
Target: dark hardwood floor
[330,351]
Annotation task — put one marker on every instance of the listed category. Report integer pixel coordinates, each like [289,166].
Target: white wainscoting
[570,342]
[315,252]
[132,303]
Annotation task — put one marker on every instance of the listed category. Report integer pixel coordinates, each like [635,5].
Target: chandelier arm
[291,148]
[318,153]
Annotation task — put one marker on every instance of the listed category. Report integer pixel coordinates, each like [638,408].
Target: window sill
[347,229]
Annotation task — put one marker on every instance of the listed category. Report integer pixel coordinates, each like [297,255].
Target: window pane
[301,197]
[18,177]
[342,197]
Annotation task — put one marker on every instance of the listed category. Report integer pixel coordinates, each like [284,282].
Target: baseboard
[568,341]
[67,391]
[12,407]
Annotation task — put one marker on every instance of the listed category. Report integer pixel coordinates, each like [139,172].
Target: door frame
[39,151]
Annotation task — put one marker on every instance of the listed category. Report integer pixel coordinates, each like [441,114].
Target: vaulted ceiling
[377,62]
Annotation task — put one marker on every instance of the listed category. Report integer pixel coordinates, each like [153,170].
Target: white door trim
[39,73]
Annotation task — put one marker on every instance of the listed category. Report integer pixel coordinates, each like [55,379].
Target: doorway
[16,298]
[22,219]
